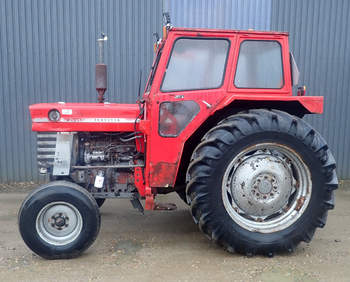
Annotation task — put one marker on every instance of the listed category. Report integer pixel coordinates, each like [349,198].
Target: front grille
[46,146]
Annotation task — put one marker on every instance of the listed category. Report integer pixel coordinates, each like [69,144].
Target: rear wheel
[261,182]
[59,220]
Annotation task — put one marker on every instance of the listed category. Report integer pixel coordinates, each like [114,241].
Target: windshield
[196,63]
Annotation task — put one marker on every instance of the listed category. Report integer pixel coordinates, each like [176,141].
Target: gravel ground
[166,246]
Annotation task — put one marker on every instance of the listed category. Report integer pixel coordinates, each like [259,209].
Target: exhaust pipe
[101,71]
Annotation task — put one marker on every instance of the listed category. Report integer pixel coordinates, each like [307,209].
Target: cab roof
[249,31]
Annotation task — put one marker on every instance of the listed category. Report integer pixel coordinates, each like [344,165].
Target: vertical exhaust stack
[101,70]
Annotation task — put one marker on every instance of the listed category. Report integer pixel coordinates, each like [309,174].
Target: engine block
[103,163]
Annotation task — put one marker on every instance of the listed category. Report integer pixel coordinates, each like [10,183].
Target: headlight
[54,115]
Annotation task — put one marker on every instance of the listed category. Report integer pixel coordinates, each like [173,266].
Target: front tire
[261,182]
[59,220]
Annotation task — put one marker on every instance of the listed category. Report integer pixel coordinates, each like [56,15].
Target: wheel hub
[59,223]
[265,183]
[261,185]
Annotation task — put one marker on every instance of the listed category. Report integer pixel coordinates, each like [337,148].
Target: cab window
[259,65]
[196,63]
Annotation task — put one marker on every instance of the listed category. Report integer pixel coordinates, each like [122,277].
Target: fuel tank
[67,117]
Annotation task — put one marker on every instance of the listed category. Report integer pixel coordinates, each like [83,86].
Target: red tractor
[217,123]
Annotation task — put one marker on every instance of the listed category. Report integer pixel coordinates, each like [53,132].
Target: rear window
[196,64]
[259,65]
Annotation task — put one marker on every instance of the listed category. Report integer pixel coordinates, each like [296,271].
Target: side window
[196,64]
[259,65]
[175,116]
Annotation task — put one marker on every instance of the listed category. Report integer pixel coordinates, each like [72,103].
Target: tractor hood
[66,117]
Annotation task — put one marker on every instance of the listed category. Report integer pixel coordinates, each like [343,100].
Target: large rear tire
[59,220]
[261,182]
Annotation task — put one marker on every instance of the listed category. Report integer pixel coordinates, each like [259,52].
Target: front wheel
[261,182]
[59,220]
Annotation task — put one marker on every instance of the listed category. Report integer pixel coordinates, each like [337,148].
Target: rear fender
[304,104]
[295,105]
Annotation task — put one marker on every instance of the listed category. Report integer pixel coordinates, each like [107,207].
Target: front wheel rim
[266,187]
[59,223]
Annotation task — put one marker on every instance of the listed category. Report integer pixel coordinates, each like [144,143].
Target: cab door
[192,83]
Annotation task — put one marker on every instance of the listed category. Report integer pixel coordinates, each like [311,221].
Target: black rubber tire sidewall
[60,193]
[237,235]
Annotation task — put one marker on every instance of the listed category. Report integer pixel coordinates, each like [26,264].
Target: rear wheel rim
[59,223]
[266,187]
